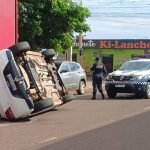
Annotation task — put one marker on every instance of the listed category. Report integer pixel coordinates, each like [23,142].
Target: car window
[78,66]
[64,67]
[73,66]
[136,65]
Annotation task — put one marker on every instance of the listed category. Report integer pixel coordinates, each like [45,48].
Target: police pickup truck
[132,77]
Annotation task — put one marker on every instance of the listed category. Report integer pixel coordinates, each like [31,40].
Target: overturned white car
[29,82]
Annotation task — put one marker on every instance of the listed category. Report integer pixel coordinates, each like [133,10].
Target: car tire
[82,86]
[111,93]
[147,92]
[19,48]
[49,53]
[43,104]
[67,98]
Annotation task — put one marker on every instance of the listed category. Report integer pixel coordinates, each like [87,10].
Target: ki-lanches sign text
[124,44]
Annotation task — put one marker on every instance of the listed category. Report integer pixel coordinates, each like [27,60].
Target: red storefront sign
[8,23]
[124,44]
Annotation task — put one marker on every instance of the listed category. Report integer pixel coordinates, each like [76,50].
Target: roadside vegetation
[51,23]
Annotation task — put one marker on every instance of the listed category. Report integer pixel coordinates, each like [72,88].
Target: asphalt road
[128,134]
[83,124]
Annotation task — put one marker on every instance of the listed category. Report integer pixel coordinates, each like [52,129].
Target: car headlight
[109,77]
[137,77]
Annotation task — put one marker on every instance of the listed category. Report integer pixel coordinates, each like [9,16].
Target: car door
[75,73]
[65,74]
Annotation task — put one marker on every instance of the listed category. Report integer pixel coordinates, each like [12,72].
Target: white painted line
[129,115]
[146,108]
[125,115]
[112,120]
[48,140]
[138,112]
[4,125]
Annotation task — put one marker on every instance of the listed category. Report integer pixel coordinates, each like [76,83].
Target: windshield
[135,65]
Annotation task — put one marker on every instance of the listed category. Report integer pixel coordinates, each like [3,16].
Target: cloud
[118,19]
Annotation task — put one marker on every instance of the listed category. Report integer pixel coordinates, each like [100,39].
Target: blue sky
[118,19]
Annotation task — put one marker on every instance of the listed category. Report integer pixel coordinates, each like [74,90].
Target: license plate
[11,82]
[120,85]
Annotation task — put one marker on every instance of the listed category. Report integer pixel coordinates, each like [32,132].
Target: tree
[51,23]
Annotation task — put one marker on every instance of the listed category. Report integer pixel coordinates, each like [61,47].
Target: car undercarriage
[33,76]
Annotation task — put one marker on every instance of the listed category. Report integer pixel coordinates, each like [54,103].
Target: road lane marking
[48,140]
[4,125]
[132,114]
[147,108]
[125,115]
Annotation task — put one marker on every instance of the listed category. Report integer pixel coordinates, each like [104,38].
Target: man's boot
[101,91]
[103,96]
[94,96]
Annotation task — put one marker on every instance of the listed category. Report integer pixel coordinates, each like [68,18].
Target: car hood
[129,72]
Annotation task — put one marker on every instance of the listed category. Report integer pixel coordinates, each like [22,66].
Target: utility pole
[69,54]
[80,42]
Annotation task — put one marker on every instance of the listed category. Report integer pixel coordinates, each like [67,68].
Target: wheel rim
[148,89]
[82,87]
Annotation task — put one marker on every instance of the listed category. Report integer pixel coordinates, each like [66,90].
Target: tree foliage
[51,23]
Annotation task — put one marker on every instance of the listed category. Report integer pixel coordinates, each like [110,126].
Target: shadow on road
[118,97]
[26,119]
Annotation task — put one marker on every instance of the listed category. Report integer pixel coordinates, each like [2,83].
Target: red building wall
[8,24]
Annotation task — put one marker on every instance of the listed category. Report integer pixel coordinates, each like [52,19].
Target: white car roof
[142,59]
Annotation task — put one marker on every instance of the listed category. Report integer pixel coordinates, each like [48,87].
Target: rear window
[73,66]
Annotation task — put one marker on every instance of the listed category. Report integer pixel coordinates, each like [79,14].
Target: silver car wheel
[82,87]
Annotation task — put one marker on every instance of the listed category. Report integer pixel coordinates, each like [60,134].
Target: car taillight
[9,114]
[83,70]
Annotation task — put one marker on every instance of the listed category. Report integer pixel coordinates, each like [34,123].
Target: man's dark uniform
[99,72]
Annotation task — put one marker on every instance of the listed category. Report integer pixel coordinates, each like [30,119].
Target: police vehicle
[132,77]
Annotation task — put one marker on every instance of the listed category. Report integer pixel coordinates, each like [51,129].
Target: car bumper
[14,102]
[127,86]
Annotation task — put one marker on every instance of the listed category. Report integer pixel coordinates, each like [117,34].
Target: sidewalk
[89,85]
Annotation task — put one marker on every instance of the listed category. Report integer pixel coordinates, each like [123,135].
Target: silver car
[72,75]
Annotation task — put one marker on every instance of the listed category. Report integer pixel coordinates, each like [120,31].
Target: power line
[124,22]
[96,6]
[119,13]
[90,3]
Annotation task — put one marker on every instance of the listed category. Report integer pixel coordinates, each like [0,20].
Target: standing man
[99,71]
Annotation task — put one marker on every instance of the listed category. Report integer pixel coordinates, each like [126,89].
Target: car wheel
[43,104]
[19,48]
[147,94]
[82,86]
[49,53]
[111,93]
[67,98]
